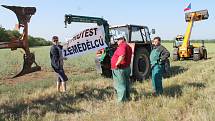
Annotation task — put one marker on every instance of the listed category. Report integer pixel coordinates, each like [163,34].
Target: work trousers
[157,74]
[121,83]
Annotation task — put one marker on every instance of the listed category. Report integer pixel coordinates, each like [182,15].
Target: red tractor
[138,37]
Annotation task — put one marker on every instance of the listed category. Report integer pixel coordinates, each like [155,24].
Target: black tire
[105,65]
[141,64]
[205,54]
[106,72]
[175,57]
[196,56]
[175,54]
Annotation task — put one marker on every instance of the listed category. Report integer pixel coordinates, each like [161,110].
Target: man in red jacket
[120,65]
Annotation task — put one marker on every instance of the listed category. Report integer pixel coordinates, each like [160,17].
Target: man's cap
[55,38]
[119,36]
[179,36]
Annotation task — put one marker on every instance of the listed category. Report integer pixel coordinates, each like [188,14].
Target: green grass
[188,93]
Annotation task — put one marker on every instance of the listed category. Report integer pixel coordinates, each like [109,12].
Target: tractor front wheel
[196,57]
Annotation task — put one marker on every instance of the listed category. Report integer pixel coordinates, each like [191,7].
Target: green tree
[8,35]
[4,36]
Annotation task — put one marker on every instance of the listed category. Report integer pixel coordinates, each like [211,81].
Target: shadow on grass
[173,91]
[176,90]
[198,85]
[58,103]
[209,58]
[95,94]
[175,70]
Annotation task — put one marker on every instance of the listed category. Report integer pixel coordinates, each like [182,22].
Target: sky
[165,16]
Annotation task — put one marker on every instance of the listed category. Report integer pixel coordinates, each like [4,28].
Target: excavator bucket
[23,15]
[197,15]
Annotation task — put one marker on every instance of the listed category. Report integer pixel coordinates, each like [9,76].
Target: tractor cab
[138,38]
[133,33]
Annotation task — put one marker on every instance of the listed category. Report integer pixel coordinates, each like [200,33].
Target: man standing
[120,65]
[158,57]
[57,64]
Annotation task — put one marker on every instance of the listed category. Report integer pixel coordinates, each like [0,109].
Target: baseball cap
[55,38]
[119,36]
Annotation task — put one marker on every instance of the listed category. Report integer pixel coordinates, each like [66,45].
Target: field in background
[188,92]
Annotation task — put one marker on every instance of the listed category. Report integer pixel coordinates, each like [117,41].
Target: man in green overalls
[158,57]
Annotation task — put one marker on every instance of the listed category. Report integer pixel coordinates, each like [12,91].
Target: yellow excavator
[183,49]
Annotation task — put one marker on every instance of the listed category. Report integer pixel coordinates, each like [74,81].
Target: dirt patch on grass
[43,75]
[36,76]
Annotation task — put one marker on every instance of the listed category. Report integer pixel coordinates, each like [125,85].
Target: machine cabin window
[136,35]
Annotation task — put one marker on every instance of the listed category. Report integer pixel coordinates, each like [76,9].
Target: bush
[4,36]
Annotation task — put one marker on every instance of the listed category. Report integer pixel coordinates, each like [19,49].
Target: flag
[188,7]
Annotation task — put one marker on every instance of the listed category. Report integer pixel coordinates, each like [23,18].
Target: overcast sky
[166,16]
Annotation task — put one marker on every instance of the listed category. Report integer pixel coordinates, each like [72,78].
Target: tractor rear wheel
[141,65]
[196,56]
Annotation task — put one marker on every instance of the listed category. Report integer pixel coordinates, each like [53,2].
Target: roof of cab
[125,25]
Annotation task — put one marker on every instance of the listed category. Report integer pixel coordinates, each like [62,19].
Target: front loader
[23,15]
[138,37]
[183,49]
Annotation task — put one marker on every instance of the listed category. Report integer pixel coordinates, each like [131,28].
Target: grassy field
[188,92]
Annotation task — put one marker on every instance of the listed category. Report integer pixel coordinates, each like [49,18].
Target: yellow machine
[183,49]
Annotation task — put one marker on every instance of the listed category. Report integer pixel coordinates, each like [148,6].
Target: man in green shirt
[158,57]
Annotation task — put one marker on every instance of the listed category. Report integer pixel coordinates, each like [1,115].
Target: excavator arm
[23,15]
[191,17]
[185,50]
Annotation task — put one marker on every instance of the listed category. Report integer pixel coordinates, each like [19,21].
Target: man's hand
[120,59]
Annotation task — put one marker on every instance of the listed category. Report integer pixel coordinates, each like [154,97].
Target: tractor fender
[175,51]
[196,50]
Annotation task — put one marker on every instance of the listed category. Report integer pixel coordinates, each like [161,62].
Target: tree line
[8,35]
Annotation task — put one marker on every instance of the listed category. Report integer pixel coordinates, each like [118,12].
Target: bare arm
[120,59]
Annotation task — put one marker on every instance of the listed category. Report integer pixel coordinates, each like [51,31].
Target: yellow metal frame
[185,50]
